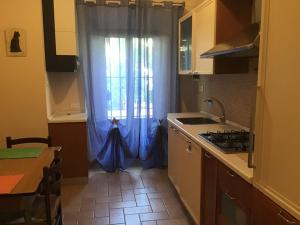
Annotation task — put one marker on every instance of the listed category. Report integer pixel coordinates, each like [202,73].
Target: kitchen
[276,159]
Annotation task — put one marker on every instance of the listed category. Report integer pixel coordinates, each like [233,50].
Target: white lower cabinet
[175,157]
[185,170]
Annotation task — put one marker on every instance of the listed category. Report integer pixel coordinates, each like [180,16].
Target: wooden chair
[13,211]
[46,208]
[11,142]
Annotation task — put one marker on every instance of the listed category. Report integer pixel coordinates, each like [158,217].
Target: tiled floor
[135,197]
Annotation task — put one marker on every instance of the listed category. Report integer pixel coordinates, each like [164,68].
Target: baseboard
[75,180]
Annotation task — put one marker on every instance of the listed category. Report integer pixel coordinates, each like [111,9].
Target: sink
[196,120]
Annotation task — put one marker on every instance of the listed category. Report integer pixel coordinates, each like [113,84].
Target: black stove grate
[229,142]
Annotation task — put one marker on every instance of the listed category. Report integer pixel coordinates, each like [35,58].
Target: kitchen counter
[67,118]
[238,162]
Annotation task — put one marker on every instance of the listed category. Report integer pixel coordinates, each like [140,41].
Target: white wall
[65,92]
[22,79]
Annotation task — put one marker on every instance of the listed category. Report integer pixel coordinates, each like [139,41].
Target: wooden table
[32,168]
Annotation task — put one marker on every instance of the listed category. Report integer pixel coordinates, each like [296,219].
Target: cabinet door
[171,153]
[73,138]
[277,135]
[267,212]
[65,27]
[204,20]
[176,144]
[191,178]
[209,183]
[185,44]
[233,198]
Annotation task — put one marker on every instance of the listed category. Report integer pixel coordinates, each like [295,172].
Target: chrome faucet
[210,100]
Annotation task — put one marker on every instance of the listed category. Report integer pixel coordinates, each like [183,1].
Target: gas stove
[229,142]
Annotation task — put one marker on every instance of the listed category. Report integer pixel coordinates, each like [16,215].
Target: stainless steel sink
[196,120]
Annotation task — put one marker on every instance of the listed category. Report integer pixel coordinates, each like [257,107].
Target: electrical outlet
[75,105]
[201,87]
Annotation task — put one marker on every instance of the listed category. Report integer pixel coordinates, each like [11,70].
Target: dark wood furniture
[32,168]
[266,212]
[27,140]
[233,197]
[54,62]
[18,202]
[47,207]
[12,210]
[209,184]
[73,137]
[220,186]
[232,17]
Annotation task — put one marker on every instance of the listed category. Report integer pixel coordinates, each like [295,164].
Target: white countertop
[238,162]
[67,118]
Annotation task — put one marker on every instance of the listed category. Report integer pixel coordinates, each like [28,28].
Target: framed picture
[15,42]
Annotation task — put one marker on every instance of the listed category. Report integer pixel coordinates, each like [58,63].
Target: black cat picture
[15,43]
[15,39]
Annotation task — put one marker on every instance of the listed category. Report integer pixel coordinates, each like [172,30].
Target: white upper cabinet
[65,27]
[204,36]
[211,23]
[185,44]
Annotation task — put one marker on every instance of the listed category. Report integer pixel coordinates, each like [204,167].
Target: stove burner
[229,142]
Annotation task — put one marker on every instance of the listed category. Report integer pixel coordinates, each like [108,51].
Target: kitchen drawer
[234,186]
[266,212]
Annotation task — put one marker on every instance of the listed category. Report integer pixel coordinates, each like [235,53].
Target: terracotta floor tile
[160,195]
[142,200]
[116,219]
[154,216]
[85,215]
[149,223]
[175,211]
[101,221]
[173,222]
[109,199]
[143,197]
[102,210]
[116,216]
[127,186]
[144,190]
[133,219]
[157,205]
[128,195]
[137,210]
[122,204]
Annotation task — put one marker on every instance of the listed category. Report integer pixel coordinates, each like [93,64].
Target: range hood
[244,44]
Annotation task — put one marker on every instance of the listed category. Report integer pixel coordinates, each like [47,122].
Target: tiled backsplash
[237,92]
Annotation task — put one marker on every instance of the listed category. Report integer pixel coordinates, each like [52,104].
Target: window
[129,57]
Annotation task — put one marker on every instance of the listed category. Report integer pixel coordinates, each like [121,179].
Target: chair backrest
[10,142]
[51,184]
[52,176]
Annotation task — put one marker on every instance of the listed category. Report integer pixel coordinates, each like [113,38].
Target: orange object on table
[8,182]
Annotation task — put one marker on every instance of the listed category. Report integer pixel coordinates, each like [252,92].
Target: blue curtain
[128,56]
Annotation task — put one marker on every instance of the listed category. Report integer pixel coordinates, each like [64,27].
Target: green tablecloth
[20,153]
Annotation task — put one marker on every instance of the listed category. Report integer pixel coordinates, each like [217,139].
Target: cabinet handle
[207,155]
[189,146]
[229,196]
[280,214]
[230,173]
[188,149]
